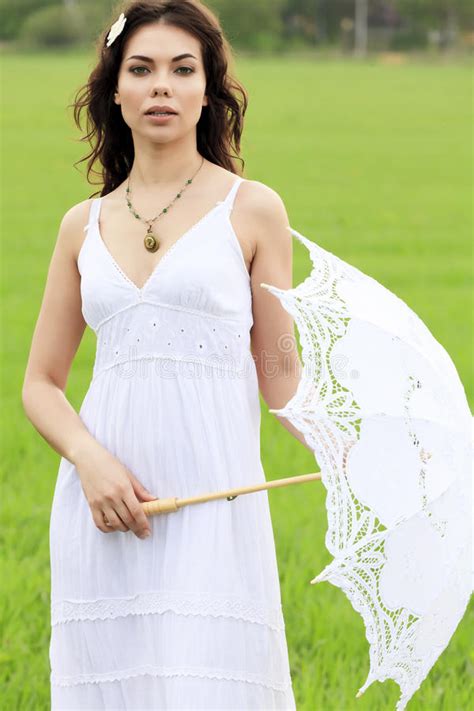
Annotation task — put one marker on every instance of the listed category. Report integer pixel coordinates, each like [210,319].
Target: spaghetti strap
[229,201]
[93,213]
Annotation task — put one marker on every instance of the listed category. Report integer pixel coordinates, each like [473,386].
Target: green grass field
[373,163]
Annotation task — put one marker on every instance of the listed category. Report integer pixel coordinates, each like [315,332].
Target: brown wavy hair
[220,126]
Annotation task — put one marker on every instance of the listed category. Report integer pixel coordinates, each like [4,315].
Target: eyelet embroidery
[154,324]
[116,348]
[200,342]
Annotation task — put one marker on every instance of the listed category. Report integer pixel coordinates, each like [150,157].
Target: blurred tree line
[262,24]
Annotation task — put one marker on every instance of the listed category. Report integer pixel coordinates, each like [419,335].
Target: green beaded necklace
[150,240]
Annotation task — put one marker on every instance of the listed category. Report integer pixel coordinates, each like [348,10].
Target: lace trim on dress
[162,601]
[222,674]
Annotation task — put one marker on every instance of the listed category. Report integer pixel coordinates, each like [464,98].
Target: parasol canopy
[381,405]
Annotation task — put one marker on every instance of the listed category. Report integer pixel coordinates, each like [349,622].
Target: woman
[176,611]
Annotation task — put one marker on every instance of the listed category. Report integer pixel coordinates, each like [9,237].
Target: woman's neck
[169,167]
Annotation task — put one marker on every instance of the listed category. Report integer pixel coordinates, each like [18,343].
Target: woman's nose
[161,86]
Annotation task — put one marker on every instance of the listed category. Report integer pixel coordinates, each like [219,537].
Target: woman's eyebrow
[149,59]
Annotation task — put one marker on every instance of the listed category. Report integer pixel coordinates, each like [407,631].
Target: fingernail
[146,534]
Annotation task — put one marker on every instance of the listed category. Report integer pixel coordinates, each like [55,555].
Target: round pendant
[151,243]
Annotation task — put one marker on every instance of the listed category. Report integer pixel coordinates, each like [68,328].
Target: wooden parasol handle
[172,504]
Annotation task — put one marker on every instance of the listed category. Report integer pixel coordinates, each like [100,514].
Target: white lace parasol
[381,404]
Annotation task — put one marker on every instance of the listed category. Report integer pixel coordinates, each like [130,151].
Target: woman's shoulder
[78,213]
[255,199]
[73,222]
[263,206]
[260,197]
[259,215]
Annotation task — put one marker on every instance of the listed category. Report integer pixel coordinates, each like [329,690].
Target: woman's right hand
[112,490]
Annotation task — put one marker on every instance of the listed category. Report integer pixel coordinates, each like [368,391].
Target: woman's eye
[189,70]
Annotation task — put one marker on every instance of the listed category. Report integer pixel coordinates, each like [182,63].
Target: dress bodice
[195,307]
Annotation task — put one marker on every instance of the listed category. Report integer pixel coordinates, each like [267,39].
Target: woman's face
[162,79]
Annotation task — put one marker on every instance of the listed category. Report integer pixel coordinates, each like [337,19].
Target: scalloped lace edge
[180,603]
[224,675]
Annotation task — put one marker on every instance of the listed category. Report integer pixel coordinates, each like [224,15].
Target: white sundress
[191,617]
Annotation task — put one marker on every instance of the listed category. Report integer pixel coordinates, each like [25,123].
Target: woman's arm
[273,336]
[56,338]
[110,488]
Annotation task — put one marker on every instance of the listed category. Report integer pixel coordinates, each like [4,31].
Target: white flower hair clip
[116,29]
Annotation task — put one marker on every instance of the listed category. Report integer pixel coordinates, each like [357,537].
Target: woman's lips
[160,119]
